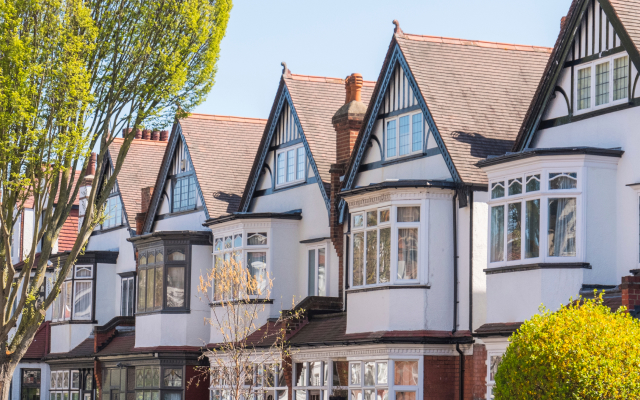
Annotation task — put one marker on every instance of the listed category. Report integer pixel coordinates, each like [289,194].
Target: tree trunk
[7,368]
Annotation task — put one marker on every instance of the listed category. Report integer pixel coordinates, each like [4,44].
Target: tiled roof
[331,330]
[222,150]
[316,99]
[84,349]
[69,231]
[139,170]
[628,11]
[122,343]
[477,92]
[39,347]
[498,329]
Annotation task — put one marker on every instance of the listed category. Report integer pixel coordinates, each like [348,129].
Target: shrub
[582,351]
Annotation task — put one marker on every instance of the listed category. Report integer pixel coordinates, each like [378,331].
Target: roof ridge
[478,43]
[144,141]
[325,79]
[228,118]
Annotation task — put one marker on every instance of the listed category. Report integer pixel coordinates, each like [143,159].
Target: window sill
[400,159]
[73,322]
[531,267]
[236,302]
[141,314]
[386,287]
[290,184]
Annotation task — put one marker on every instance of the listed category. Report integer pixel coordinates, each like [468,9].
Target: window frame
[397,140]
[30,385]
[315,248]
[390,386]
[543,194]
[592,65]
[258,388]
[61,302]
[423,251]
[174,181]
[164,265]
[131,279]
[115,194]
[296,179]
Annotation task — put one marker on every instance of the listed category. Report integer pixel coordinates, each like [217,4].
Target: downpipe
[455,294]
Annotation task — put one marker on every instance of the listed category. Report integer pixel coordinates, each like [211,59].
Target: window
[147,383]
[184,193]
[606,81]
[30,384]
[127,298]
[290,165]
[113,212]
[369,380]
[161,279]
[516,223]
[404,135]
[492,365]
[312,380]
[67,385]
[317,271]
[264,381]
[374,231]
[230,246]
[75,301]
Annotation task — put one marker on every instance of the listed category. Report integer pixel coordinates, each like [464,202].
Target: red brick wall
[630,288]
[442,376]
[197,384]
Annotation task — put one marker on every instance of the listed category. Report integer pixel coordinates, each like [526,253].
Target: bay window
[161,279]
[317,267]
[602,83]
[516,219]
[373,232]
[265,381]
[75,301]
[290,165]
[404,135]
[71,385]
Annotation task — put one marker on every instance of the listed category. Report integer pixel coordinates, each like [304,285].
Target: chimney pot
[353,86]
[164,136]
[155,135]
[138,134]
[91,168]
[146,134]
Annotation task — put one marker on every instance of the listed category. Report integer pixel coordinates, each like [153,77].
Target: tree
[244,353]
[582,351]
[71,72]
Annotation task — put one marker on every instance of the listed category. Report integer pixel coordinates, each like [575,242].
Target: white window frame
[391,387]
[592,65]
[124,296]
[544,194]
[411,151]
[315,247]
[296,178]
[60,300]
[422,227]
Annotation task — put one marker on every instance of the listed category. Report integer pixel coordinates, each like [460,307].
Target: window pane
[355,374]
[563,181]
[340,373]
[315,371]
[237,240]
[178,255]
[175,287]
[67,303]
[358,261]
[497,233]
[515,186]
[280,168]
[406,373]
[218,244]
[602,83]
[384,216]
[185,193]
[495,363]
[300,395]
[533,183]
[382,394]
[514,231]
[291,161]
[391,139]
[562,227]
[404,136]
[408,214]
[384,266]
[83,271]
[142,289]
[405,395]
[497,190]
[416,133]
[322,273]
[150,288]
[584,88]
[151,257]
[358,221]
[82,300]
[192,192]
[301,372]
[176,195]
[356,395]
[369,374]
[372,218]
[532,229]
[173,377]
[257,239]
[620,78]
[408,253]
[312,272]
[382,373]
[257,263]
[301,162]
[158,291]
[124,292]
[372,255]
[370,394]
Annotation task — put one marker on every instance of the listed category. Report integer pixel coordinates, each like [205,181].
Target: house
[563,208]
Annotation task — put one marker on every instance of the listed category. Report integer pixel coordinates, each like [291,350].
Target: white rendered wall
[181,222]
[65,337]
[45,379]
[107,286]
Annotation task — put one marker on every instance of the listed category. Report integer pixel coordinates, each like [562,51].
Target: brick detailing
[97,376]
[145,199]
[442,376]
[630,288]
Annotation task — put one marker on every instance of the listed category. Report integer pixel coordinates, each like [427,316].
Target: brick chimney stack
[347,122]
[145,200]
[630,288]
[85,188]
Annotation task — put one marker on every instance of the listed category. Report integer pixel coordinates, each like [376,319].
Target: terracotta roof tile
[139,170]
[121,343]
[69,232]
[39,347]
[222,150]
[628,12]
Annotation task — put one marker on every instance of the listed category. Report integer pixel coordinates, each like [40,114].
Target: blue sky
[336,38]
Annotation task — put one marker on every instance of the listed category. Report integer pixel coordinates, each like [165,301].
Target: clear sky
[336,38]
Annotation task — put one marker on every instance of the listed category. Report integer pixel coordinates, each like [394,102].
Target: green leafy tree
[71,72]
[582,351]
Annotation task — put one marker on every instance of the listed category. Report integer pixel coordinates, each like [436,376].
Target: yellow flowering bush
[582,351]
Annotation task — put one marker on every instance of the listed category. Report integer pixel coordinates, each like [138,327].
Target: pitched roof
[477,92]
[222,150]
[121,343]
[69,231]
[315,100]
[628,12]
[139,170]
[40,345]
[84,349]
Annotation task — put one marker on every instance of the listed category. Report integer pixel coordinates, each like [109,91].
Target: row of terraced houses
[418,220]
